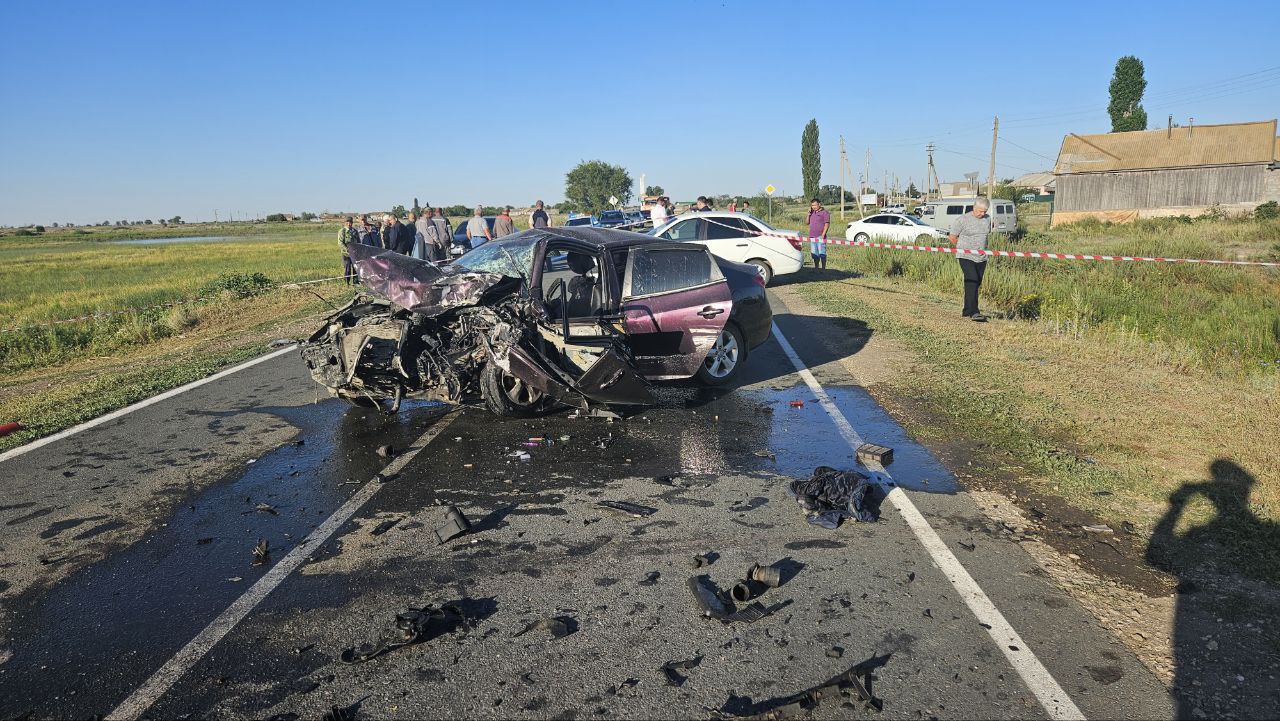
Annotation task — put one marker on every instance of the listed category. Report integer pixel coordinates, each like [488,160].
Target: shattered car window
[512,258]
[664,270]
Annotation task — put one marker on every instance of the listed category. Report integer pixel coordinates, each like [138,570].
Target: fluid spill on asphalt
[138,606]
[804,437]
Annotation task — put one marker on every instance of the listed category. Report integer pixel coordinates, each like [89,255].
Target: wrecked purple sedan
[577,317]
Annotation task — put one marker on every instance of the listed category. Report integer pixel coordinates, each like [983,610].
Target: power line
[1029,150]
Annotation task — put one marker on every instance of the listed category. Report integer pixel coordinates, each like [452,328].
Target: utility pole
[843,164]
[215,215]
[991,174]
[931,175]
[885,186]
[866,176]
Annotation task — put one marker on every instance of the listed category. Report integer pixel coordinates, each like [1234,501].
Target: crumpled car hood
[417,285]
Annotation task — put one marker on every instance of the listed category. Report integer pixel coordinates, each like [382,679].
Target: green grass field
[1221,318]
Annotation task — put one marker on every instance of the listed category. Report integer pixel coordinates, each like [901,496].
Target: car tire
[712,372]
[762,265]
[508,396]
[861,238]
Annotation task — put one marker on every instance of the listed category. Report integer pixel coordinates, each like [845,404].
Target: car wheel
[509,396]
[725,358]
[766,270]
[861,238]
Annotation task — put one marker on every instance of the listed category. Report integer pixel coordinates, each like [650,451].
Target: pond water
[191,239]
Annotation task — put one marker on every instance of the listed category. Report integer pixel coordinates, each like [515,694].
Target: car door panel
[671,327]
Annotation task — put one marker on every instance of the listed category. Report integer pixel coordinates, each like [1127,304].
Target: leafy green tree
[654,190]
[589,185]
[397,210]
[176,220]
[1127,86]
[276,218]
[810,159]
[913,191]
[307,216]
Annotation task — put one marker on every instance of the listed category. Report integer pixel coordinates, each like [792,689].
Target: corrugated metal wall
[1160,188]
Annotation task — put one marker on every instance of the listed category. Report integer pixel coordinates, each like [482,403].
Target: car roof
[607,237]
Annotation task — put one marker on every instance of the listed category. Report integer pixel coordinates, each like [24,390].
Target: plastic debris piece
[1099,528]
[634,510]
[766,454]
[770,576]
[796,404]
[744,591]
[651,578]
[835,652]
[672,670]
[522,455]
[869,452]
[11,427]
[468,466]
[559,626]
[537,439]
[383,527]
[386,451]
[410,626]
[455,524]
[261,552]
[968,546]
[266,508]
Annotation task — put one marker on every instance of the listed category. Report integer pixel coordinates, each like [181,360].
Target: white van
[942,213]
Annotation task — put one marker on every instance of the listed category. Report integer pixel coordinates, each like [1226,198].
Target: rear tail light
[795,242]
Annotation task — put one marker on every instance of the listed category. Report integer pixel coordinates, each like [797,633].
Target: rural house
[1120,177]
[1043,183]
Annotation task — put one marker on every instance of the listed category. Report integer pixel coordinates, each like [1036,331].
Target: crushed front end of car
[456,335]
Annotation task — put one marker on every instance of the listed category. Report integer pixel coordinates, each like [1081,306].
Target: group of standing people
[425,236]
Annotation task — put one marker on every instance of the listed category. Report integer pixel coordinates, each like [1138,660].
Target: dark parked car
[460,243]
[611,219]
[579,317]
[580,221]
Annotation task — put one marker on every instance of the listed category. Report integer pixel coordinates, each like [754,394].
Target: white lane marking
[148,693]
[1055,701]
[41,442]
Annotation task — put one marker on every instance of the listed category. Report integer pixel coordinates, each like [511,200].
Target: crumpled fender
[417,285]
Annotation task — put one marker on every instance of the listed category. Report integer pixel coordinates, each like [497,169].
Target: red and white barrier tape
[1007,253]
[138,309]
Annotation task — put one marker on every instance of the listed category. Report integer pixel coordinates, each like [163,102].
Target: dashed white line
[1055,701]
[39,443]
[162,680]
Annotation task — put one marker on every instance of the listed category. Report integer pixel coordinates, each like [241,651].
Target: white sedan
[738,237]
[893,227]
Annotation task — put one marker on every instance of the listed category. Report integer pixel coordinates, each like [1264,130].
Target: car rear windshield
[611,215]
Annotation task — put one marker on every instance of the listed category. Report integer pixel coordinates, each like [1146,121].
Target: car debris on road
[410,626]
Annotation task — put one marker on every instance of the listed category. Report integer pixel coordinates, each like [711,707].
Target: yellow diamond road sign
[769,189]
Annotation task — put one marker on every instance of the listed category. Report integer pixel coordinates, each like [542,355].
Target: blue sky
[137,110]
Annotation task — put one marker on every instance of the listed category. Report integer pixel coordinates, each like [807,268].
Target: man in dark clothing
[396,236]
[346,236]
[368,233]
[702,206]
[539,219]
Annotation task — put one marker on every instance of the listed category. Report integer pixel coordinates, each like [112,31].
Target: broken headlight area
[372,350]
[451,334]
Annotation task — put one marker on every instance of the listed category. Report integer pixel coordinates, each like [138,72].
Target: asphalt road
[122,544]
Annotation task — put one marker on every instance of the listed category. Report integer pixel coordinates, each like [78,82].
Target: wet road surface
[185,489]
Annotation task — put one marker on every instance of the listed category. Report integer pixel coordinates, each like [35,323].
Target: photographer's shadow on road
[1226,627]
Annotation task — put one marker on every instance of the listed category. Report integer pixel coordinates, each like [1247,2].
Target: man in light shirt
[478,228]
[658,214]
[970,232]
